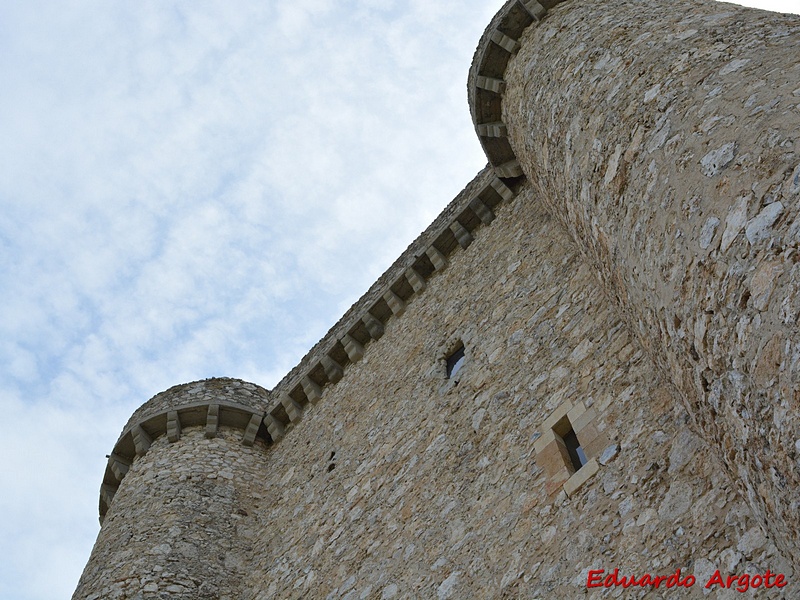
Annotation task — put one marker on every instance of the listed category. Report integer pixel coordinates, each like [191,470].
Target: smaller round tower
[178,495]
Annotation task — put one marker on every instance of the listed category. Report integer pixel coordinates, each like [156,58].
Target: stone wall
[402,483]
[212,403]
[181,523]
[664,137]
[637,297]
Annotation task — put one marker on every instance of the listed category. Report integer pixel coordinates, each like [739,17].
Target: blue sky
[197,189]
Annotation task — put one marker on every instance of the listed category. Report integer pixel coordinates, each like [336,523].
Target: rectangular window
[569,437]
[576,454]
[564,430]
[454,362]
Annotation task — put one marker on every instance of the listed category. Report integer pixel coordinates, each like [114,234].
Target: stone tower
[588,362]
[180,479]
[669,149]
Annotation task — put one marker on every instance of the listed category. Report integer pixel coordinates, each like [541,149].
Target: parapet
[346,342]
[269,415]
[486,84]
[212,403]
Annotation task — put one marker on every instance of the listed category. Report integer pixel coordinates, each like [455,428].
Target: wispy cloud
[192,190]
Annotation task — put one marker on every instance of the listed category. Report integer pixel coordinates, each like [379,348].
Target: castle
[582,380]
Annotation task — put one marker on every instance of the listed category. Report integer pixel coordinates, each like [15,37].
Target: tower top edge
[214,388]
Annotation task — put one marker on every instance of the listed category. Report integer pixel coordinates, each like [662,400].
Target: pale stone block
[249,436]
[609,454]
[587,435]
[535,10]
[506,43]
[373,325]
[758,228]
[119,466]
[107,493]
[581,476]
[173,426]
[141,440]
[212,420]
[293,409]
[555,483]
[437,258]
[558,414]
[554,457]
[498,86]
[583,420]
[484,213]
[510,168]
[596,445]
[311,389]
[275,428]
[501,188]
[719,158]
[463,236]
[416,280]
[576,411]
[354,349]
[396,304]
[736,219]
[546,437]
[333,370]
[494,130]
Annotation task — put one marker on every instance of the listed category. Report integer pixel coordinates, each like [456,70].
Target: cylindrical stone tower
[665,137]
[178,496]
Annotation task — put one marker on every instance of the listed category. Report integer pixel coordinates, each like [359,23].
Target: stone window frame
[551,451]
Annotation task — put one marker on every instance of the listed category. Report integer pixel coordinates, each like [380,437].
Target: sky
[191,190]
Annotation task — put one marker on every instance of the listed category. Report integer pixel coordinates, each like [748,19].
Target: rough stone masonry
[622,282]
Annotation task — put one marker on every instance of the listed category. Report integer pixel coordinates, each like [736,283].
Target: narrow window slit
[576,453]
[577,457]
[455,361]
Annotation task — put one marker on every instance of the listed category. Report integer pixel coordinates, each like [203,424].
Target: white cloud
[193,190]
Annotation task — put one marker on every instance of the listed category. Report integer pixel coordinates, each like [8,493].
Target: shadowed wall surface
[663,136]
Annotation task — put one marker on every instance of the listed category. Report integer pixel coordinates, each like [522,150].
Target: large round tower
[177,496]
[665,137]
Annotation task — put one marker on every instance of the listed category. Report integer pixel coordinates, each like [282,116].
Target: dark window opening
[455,361]
[332,464]
[576,454]
[577,457]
